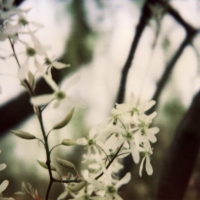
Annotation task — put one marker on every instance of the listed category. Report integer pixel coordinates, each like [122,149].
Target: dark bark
[145,16]
[18,2]
[181,158]
[169,68]
[190,34]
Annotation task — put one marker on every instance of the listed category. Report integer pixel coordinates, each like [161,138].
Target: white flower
[58,95]
[147,151]
[132,106]
[93,145]
[5,183]
[107,189]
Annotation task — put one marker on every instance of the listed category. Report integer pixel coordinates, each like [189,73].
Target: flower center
[30,51]
[129,136]
[60,95]
[47,61]
[91,142]
[110,189]
[23,22]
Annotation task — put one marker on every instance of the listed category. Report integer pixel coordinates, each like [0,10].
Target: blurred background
[98,37]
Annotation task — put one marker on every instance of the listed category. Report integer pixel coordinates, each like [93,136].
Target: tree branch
[181,158]
[145,16]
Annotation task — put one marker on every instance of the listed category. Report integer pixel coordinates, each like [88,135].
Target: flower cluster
[15,27]
[126,131]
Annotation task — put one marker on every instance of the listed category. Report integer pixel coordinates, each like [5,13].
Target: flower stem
[39,115]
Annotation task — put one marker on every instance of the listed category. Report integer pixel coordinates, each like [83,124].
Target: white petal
[2,166]
[51,82]
[81,141]
[151,138]
[38,25]
[154,130]
[135,153]
[93,133]
[152,115]
[3,185]
[117,197]
[124,153]
[148,166]
[23,70]
[76,101]
[96,184]
[39,67]
[62,195]
[149,105]
[56,103]
[72,81]
[38,46]
[124,180]
[42,99]
[59,65]
[103,146]
[141,166]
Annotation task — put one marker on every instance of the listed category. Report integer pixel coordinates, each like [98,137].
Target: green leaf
[44,165]
[23,135]
[31,80]
[20,193]
[3,185]
[26,188]
[68,142]
[65,121]
[65,163]
[75,187]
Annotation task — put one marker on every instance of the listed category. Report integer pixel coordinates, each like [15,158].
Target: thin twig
[145,16]
[111,161]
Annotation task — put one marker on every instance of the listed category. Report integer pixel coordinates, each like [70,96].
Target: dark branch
[181,158]
[165,77]
[190,34]
[145,16]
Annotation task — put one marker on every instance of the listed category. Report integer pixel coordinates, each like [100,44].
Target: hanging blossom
[4,184]
[7,11]
[148,151]
[107,187]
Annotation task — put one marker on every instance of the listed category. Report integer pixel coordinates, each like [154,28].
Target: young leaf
[75,187]
[44,165]
[2,166]
[65,163]
[31,80]
[68,142]
[23,135]
[3,185]
[65,121]
[20,193]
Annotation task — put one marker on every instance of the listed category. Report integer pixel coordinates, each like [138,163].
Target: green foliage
[44,165]
[68,142]
[23,135]
[65,163]
[65,121]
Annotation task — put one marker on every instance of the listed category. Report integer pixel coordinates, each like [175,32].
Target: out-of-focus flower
[93,144]
[58,95]
[5,183]
[108,190]
[147,150]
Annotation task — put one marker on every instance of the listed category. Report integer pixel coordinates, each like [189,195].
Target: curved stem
[111,161]
[39,115]
[54,148]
